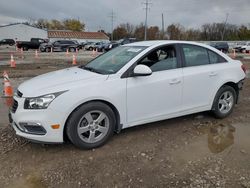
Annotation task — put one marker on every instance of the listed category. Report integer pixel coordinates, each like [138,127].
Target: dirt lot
[191,151]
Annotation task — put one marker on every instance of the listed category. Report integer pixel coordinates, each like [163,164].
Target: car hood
[57,81]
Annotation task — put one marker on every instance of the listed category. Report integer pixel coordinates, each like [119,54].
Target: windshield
[112,61]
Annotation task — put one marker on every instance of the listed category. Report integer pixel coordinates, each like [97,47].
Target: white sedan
[130,85]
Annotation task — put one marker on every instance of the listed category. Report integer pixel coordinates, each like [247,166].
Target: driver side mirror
[142,70]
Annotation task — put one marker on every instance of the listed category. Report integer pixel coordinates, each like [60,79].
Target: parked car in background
[127,41]
[99,46]
[130,85]
[60,46]
[245,48]
[222,46]
[77,43]
[111,45]
[89,46]
[115,44]
[34,43]
[238,46]
[9,42]
[83,44]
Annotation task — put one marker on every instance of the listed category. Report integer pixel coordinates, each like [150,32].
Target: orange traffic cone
[36,54]
[74,60]
[76,50]
[8,90]
[12,61]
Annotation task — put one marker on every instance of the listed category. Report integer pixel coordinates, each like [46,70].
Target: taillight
[244,68]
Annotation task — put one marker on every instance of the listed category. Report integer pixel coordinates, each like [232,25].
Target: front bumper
[36,124]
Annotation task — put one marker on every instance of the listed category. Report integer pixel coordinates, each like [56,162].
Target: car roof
[162,42]
[156,43]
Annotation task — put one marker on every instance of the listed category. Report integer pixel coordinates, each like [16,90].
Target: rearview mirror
[142,70]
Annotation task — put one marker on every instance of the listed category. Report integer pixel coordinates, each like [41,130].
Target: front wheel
[224,102]
[47,49]
[91,125]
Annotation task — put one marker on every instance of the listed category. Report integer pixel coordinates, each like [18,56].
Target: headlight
[41,102]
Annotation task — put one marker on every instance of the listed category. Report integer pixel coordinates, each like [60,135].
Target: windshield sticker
[134,50]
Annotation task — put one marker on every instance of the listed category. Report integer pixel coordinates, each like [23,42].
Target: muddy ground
[192,151]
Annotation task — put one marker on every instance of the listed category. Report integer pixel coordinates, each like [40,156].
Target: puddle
[30,181]
[220,137]
[223,139]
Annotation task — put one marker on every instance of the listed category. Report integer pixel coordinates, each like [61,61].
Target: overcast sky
[96,13]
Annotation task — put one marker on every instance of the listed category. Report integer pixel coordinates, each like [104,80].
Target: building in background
[24,32]
[21,32]
[79,36]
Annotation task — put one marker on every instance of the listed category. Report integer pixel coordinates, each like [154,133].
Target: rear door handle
[212,74]
[174,81]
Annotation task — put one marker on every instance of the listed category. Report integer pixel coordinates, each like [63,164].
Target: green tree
[56,25]
[153,33]
[139,32]
[119,32]
[74,25]
[175,32]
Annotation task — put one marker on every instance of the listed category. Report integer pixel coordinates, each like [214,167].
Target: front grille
[14,106]
[19,93]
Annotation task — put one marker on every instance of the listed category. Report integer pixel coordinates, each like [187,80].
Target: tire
[90,48]
[25,48]
[47,49]
[83,129]
[72,49]
[224,102]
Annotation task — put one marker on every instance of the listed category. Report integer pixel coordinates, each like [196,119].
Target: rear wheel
[72,49]
[91,125]
[224,102]
[25,48]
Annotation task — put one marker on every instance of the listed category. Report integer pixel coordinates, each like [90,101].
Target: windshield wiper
[91,69]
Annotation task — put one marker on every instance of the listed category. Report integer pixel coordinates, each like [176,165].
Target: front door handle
[174,81]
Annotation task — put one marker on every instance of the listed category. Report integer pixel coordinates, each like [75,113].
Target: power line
[112,17]
[224,27]
[147,4]
[162,25]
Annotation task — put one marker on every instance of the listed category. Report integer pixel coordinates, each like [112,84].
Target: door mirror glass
[142,70]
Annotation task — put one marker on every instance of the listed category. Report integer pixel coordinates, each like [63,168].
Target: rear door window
[195,55]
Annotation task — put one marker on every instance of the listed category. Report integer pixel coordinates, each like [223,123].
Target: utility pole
[112,17]
[147,4]
[224,27]
[162,24]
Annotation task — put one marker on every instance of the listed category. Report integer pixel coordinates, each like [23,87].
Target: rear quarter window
[215,58]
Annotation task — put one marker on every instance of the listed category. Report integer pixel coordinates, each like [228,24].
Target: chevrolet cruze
[130,85]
